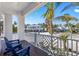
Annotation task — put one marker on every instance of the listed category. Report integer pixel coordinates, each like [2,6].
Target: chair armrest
[14,40]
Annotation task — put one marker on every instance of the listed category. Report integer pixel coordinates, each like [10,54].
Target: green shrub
[14,29]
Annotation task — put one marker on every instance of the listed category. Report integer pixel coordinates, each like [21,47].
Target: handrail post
[51,42]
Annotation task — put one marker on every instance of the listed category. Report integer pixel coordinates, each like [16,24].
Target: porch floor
[34,51]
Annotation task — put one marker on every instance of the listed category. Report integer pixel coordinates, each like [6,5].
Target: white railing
[54,45]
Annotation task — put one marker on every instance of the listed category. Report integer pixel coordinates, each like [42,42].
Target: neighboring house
[61,28]
[33,27]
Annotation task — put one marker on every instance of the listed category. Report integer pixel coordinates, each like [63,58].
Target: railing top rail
[57,37]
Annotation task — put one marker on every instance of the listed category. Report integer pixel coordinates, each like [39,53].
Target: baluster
[72,47]
[76,47]
[57,46]
[60,49]
[52,43]
[67,47]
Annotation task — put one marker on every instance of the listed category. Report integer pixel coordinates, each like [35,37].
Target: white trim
[39,0]
[41,4]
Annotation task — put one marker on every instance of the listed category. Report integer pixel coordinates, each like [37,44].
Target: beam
[33,7]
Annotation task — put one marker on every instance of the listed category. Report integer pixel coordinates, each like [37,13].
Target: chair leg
[28,51]
[7,51]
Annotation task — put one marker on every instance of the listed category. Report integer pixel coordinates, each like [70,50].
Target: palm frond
[47,5]
[67,7]
[66,17]
[75,3]
[70,5]
[58,4]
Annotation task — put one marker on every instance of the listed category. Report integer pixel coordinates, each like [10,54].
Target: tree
[15,23]
[67,18]
[70,5]
[48,15]
[43,25]
[64,37]
[14,27]
[77,25]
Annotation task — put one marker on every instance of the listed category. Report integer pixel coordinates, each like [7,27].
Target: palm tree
[71,29]
[48,15]
[67,18]
[64,37]
[77,25]
[70,5]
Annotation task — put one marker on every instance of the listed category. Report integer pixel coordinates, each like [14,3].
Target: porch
[46,45]
[41,45]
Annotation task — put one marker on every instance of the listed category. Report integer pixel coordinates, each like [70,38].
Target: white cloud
[76,10]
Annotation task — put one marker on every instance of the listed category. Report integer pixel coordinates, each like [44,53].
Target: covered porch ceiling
[19,7]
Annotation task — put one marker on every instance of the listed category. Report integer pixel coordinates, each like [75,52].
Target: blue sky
[35,17]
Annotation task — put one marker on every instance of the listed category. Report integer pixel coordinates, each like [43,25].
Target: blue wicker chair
[16,48]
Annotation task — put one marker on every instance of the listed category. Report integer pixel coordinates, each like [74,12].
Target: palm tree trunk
[50,27]
[70,30]
[71,35]
[46,22]
[64,45]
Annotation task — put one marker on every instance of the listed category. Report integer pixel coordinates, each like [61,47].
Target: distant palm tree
[64,37]
[71,29]
[77,25]
[67,18]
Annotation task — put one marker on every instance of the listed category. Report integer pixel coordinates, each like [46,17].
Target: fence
[54,46]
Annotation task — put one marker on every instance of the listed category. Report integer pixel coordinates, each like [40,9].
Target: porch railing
[54,46]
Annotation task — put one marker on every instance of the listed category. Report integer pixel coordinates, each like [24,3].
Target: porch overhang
[19,7]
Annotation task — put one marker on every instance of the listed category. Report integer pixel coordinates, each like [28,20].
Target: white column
[8,26]
[21,27]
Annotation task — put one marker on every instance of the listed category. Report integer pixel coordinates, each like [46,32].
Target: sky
[35,17]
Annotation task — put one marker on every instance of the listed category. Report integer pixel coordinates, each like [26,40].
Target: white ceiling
[17,7]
